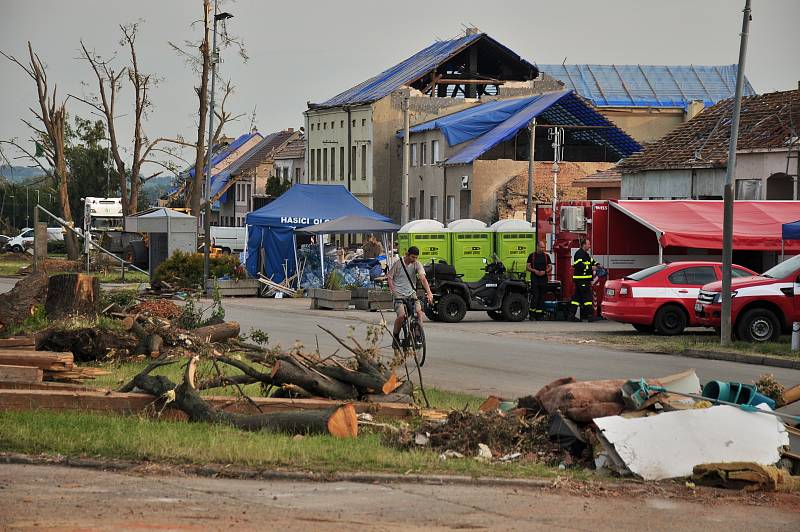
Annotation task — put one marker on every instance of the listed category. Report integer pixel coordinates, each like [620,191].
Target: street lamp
[207,210]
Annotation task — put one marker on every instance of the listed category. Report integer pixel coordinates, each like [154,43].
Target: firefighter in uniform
[583,265]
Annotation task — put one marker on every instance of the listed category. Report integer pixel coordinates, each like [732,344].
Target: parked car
[661,298]
[24,240]
[229,239]
[762,307]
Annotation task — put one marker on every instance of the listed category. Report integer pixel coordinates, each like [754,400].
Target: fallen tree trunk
[340,421]
[19,303]
[288,371]
[72,293]
[218,332]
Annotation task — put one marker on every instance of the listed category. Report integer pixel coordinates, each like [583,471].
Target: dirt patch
[55,266]
[161,308]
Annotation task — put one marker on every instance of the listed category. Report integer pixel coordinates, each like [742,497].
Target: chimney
[290,130]
[472,30]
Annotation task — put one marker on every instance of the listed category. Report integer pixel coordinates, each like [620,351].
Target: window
[422,204]
[434,151]
[333,164]
[319,164]
[297,175]
[412,208]
[363,122]
[332,123]
[324,125]
[285,173]
[363,161]
[341,163]
[647,272]
[354,123]
[697,275]
[312,127]
[249,196]
[351,164]
[312,174]
[434,211]
[414,155]
[450,209]
[738,272]
[341,124]
[423,148]
[324,164]
[748,189]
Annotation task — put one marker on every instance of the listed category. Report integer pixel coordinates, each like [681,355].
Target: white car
[229,239]
[24,240]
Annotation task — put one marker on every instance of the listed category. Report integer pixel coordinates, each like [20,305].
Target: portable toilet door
[471,241]
[430,236]
[514,240]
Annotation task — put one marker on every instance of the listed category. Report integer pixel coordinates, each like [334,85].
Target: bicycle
[412,335]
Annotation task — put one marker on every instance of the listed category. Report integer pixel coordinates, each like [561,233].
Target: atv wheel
[496,315]
[515,307]
[451,308]
[431,313]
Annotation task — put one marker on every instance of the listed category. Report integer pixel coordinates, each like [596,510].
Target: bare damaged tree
[109,82]
[201,63]
[53,117]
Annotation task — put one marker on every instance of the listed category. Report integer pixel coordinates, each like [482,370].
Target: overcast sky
[301,51]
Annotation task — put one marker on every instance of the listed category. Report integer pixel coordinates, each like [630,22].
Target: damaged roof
[484,126]
[767,121]
[421,64]
[295,149]
[649,85]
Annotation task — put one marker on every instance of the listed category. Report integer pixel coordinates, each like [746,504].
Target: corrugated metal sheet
[563,108]
[649,85]
[403,73]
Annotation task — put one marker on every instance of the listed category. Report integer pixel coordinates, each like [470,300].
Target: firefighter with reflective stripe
[583,266]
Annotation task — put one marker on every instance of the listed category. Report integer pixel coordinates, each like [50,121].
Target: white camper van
[229,239]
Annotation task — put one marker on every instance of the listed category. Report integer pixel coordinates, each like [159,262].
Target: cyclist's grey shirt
[402,288]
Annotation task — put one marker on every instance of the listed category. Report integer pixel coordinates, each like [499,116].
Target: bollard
[796,336]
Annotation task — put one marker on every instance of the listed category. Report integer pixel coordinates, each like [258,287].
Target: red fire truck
[630,235]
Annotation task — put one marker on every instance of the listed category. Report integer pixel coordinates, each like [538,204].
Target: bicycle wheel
[418,342]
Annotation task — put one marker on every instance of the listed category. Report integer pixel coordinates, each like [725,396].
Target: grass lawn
[10,263]
[175,442]
[697,341]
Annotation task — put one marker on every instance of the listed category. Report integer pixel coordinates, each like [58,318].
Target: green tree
[87,160]
[277,186]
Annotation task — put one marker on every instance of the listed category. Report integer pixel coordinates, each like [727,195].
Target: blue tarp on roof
[791,231]
[220,155]
[271,227]
[403,73]
[484,126]
[649,85]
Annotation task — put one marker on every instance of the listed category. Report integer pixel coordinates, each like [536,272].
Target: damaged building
[351,137]
[473,163]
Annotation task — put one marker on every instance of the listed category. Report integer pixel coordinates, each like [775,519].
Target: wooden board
[135,403]
[48,360]
[18,342]
[27,374]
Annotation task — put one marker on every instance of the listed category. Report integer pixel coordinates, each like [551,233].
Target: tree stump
[218,332]
[18,304]
[72,293]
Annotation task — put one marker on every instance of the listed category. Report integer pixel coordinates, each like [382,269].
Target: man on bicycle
[402,280]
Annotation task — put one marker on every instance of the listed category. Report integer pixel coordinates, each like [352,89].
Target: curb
[221,471]
[760,360]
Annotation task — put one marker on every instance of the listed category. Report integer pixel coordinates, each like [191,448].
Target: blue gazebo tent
[789,231]
[270,229]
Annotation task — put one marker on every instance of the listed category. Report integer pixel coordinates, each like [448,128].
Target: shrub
[185,270]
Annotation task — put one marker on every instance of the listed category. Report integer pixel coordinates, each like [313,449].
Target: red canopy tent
[757,225]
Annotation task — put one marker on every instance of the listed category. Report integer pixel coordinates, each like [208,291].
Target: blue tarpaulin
[271,227]
[649,85]
[484,126]
[791,231]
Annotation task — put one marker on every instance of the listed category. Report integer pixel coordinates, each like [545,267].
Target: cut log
[18,342]
[72,293]
[287,371]
[792,395]
[364,381]
[217,333]
[19,303]
[339,421]
[46,360]
[20,374]
[389,398]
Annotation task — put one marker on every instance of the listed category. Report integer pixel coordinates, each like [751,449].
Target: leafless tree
[198,56]
[52,115]
[110,83]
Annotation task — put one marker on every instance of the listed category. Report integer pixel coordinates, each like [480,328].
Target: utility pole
[207,180]
[404,215]
[557,134]
[727,194]
[529,208]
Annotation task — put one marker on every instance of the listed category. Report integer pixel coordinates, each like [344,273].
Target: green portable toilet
[471,241]
[514,240]
[429,236]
